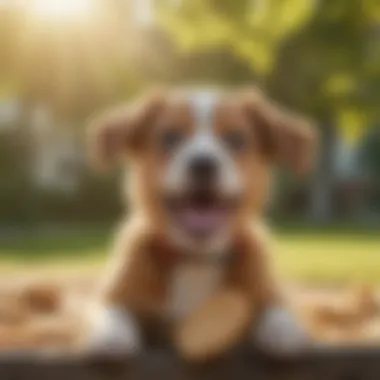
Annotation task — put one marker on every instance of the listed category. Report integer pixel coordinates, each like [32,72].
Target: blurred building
[58,156]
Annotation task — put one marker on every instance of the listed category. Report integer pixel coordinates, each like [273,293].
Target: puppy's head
[201,159]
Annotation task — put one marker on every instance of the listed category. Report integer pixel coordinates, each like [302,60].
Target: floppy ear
[121,131]
[283,137]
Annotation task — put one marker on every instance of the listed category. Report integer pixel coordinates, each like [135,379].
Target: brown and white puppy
[193,250]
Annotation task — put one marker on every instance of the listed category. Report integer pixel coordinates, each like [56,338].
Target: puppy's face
[201,159]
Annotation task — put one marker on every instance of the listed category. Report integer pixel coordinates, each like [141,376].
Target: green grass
[326,257]
[70,247]
[312,256]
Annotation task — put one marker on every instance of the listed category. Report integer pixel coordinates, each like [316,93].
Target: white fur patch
[279,333]
[203,104]
[191,284]
[114,330]
[203,141]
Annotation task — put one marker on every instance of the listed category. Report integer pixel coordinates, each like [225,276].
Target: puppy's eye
[170,139]
[235,140]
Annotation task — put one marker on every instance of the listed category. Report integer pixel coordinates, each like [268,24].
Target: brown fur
[144,257]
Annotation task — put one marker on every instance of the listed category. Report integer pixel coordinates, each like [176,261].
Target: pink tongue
[202,220]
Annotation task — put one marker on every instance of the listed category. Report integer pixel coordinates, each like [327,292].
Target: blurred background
[62,60]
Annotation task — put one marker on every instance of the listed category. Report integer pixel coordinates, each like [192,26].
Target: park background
[63,60]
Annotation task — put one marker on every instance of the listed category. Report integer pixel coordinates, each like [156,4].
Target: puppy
[193,251]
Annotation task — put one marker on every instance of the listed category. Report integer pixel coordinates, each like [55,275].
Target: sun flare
[60,9]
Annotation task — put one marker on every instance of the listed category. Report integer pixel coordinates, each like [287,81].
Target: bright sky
[143,12]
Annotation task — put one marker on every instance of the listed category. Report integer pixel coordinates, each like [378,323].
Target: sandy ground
[43,307]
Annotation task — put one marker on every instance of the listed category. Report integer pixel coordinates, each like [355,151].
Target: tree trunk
[321,202]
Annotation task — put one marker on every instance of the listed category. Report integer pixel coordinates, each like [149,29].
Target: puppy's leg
[214,327]
[275,329]
[277,332]
[113,331]
[132,283]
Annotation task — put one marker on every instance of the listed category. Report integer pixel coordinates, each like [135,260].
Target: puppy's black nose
[203,168]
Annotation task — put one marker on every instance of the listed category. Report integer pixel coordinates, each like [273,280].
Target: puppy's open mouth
[200,213]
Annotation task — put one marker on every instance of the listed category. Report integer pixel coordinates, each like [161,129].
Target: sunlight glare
[61,9]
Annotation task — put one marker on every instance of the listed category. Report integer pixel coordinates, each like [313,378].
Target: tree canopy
[321,56]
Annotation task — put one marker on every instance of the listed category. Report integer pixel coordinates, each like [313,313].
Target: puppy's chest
[191,284]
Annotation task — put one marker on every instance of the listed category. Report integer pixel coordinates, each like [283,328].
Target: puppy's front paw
[278,333]
[115,333]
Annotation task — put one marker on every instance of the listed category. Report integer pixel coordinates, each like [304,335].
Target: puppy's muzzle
[203,171]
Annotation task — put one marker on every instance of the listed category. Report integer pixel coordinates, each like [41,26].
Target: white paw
[278,333]
[114,332]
